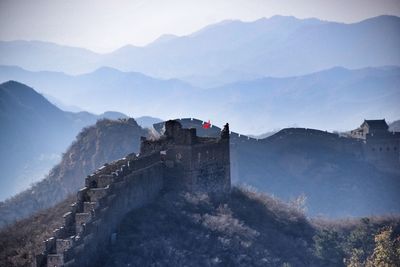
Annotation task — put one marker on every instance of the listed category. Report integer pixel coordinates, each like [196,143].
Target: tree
[387,250]
[328,248]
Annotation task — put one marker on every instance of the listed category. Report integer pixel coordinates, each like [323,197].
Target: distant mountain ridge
[33,135]
[277,46]
[127,92]
[333,99]
[101,143]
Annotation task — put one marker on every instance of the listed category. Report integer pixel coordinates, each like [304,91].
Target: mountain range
[288,164]
[33,135]
[106,141]
[334,99]
[230,51]
[278,78]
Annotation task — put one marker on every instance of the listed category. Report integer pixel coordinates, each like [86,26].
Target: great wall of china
[179,160]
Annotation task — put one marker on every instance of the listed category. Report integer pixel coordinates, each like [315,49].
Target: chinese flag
[207,125]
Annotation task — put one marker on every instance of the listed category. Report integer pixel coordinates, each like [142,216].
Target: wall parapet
[94,216]
[179,159]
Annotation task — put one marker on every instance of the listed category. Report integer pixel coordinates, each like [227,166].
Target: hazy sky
[104,25]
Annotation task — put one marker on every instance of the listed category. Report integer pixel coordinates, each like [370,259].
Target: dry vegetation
[20,242]
[249,229]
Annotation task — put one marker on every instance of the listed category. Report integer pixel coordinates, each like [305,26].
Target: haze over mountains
[230,50]
[290,83]
[334,99]
[260,76]
[289,71]
[33,135]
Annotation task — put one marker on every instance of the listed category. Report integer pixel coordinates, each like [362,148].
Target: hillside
[104,142]
[333,99]
[33,135]
[192,230]
[251,229]
[21,241]
[230,50]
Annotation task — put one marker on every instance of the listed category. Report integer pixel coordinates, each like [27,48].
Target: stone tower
[195,164]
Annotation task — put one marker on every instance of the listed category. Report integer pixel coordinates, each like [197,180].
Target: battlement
[179,160]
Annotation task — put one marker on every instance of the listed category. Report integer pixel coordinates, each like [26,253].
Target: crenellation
[82,197]
[50,245]
[63,245]
[89,206]
[88,227]
[69,224]
[74,207]
[80,220]
[178,160]
[95,194]
[104,179]
[59,232]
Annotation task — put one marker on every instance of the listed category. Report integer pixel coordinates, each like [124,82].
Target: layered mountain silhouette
[128,92]
[33,135]
[334,99]
[230,50]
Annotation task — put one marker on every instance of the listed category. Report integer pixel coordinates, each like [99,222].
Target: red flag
[207,125]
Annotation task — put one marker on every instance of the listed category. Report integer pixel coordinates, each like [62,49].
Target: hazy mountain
[231,50]
[33,134]
[103,142]
[334,99]
[147,121]
[106,89]
[58,103]
[37,55]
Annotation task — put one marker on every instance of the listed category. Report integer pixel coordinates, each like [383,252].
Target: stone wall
[383,151]
[111,192]
[178,161]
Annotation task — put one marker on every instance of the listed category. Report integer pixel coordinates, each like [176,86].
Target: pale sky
[105,25]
